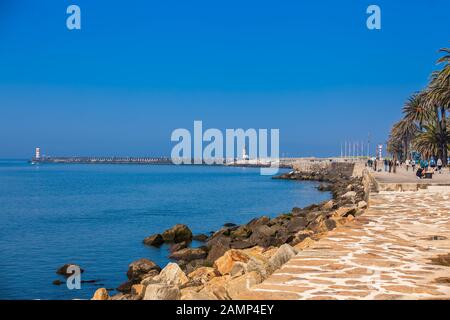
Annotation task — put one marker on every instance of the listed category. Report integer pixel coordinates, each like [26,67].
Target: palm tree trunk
[438,125]
[444,135]
[405,156]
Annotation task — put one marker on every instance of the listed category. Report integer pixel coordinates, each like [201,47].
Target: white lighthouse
[244,154]
[37,154]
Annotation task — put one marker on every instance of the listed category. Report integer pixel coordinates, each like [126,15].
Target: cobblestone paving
[392,251]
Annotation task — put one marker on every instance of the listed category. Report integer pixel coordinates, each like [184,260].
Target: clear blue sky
[139,69]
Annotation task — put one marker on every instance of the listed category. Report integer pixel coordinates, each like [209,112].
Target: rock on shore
[176,234]
[63,270]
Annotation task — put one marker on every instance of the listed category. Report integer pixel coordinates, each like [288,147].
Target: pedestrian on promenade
[407,162]
[386,163]
[439,165]
[390,163]
[419,172]
[432,163]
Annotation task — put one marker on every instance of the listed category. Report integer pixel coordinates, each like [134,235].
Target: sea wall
[325,166]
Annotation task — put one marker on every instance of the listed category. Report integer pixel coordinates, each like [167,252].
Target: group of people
[431,166]
[423,166]
[389,165]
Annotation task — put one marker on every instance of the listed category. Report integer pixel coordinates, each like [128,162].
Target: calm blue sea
[98,215]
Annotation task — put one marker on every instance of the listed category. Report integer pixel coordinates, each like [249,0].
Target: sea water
[97,215]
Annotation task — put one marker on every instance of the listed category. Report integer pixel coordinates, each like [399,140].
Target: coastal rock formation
[281,256]
[154,240]
[237,257]
[160,291]
[172,274]
[177,233]
[189,254]
[178,246]
[139,269]
[138,290]
[225,263]
[101,294]
[203,274]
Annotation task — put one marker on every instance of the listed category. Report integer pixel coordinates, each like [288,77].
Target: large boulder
[154,240]
[225,263]
[330,224]
[189,254]
[141,268]
[178,246]
[349,194]
[243,232]
[282,255]
[125,287]
[235,287]
[217,246]
[203,274]
[216,288]
[101,294]
[190,266]
[162,291]
[344,212]
[305,243]
[172,274]
[302,235]
[297,224]
[138,290]
[177,233]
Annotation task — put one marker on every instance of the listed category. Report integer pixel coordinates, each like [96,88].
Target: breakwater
[104,160]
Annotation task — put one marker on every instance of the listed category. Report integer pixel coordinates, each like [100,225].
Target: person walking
[439,165]
[390,165]
[432,163]
[407,162]
[386,164]
[413,165]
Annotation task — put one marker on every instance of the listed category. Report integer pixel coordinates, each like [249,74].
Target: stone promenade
[398,249]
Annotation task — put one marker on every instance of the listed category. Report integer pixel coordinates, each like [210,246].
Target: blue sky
[139,69]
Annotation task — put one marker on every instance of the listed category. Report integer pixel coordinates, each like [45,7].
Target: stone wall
[325,166]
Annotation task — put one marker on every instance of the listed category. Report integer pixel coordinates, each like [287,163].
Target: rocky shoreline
[237,257]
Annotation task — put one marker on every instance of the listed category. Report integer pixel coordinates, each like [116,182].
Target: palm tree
[424,124]
[445,59]
[438,97]
[404,132]
[416,109]
[428,142]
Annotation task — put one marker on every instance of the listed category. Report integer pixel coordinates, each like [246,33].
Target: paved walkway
[403,176]
[398,249]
